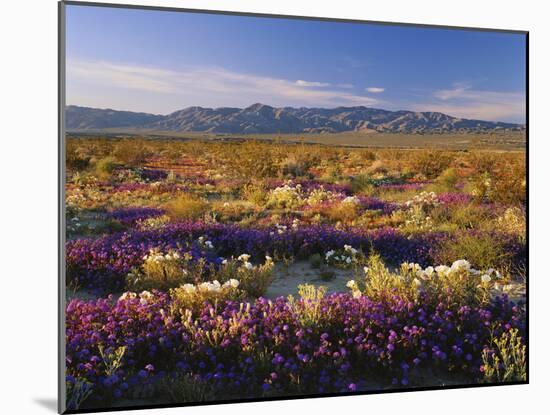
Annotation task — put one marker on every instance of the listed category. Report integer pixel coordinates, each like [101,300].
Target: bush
[431,163]
[253,279]
[164,271]
[345,211]
[105,166]
[505,360]
[255,193]
[130,153]
[483,251]
[186,206]
[448,180]
[191,298]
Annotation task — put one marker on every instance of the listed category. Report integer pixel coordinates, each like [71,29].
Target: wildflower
[248,265]
[485,278]
[233,283]
[460,265]
[366,270]
[351,284]
[244,257]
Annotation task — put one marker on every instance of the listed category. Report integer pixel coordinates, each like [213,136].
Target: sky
[163,61]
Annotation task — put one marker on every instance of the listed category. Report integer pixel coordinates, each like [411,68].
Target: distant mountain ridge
[260,118]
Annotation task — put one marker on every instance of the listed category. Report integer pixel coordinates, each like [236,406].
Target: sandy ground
[287,279]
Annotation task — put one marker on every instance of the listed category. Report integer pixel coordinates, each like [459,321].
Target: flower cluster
[250,349]
[345,257]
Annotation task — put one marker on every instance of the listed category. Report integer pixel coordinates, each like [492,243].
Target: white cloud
[375,90]
[301,82]
[464,102]
[153,89]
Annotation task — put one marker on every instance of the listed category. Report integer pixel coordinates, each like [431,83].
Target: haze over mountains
[259,118]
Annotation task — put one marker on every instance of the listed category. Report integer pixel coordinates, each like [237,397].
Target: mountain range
[260,118]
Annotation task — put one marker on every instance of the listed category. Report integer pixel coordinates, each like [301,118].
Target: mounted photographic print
[258,207]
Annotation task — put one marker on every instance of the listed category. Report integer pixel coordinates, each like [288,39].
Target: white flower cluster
[423,199]
[286,196]
[351,200]
[205,243]
[156,256]
[320,195]
[144,296]
[213,286]
[460,265]
[346,256]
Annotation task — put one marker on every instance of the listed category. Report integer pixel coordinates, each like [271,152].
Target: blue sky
[159,62]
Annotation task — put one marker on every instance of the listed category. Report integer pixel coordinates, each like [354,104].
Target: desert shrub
[288,196]
[309,309]
[483,251]
[74,159]
[505,360]
[513,221]
[464,284]
[482,187]
[361,184]
[510,184]
[483,161]
[78,390]
[469,216]
[105,167]
[255,193]
[447,180]
[345,211]
[253,279]
[130,153]
[190,297]
[298,163]
[251,159]
[431,163]
[183,387]
[320,195]
[164,271]
[186,206]
[377,167]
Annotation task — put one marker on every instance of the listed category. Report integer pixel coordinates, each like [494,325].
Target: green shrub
[448,180]
[506,361]
[482,251]
[105,166]
[186,206]
[431,163]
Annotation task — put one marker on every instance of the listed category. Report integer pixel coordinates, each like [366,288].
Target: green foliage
[186,206]
[187,388]
[105,167]
[112,359]
[163,271]
[507,360]
[308,308]
[448,180]
[482,251]
[189,297]
[78,392]
[431,163]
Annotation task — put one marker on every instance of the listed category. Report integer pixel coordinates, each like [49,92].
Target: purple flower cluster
[373,203]
[454,198]
[130,215]
[103,262]
[358,343]
[152,175]
[403,187]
